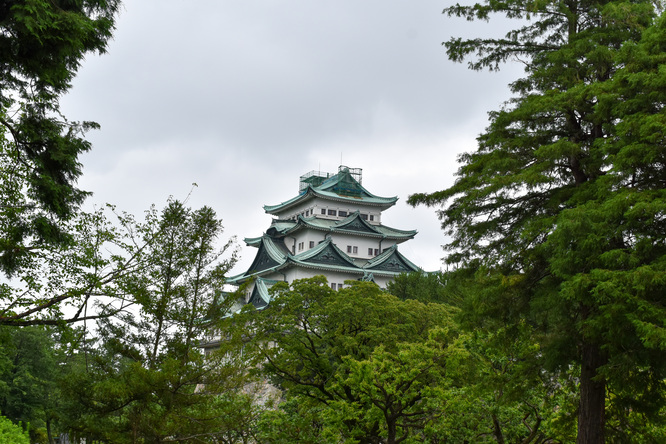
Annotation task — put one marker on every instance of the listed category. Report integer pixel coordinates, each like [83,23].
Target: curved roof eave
[243,277]
[304,195]
[379,260]
[237,280]
[311,193]
[324,267]
[314,252]
[253,241]
[330,226]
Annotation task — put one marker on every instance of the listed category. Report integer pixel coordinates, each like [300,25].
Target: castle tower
[333,227]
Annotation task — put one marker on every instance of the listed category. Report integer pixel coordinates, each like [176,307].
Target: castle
[333,227]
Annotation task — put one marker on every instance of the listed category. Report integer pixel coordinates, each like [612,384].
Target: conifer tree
[42,43]
[562,204]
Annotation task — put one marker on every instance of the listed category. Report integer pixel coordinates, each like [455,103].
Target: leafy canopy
[359,362]
[561,206]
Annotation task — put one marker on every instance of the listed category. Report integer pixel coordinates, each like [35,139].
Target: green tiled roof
[253,241]
[326,257]
[353,223]
[260,297]
[326,254]
[339,187]
[268,257]
[392,261]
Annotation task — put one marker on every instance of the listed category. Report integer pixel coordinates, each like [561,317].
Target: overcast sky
[242,97]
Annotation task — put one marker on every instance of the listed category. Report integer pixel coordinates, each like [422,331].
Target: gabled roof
[341,187]
[268,256]
[260,296]
[325,257]
[353,224]
[327,254]
[392,261]
[271,258]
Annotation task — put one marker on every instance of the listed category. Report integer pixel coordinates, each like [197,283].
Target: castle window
[376,251]
[300,246]
[355,250]
[372,217]
[323,211]
[311,244]
[332,212]
[342,213]
[349,248]
[369,251]
[333,285]
[364,216]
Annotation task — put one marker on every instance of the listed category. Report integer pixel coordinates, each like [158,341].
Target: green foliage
[358,360]
[42,44]
[11,433]
[28,376]
[359,365]
[144,376]
[60,284]
[561,207]
[296,420]
[422,286]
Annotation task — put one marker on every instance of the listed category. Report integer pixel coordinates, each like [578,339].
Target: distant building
[333,227]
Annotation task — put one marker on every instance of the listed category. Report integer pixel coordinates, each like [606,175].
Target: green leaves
[42,44]
[364,357]
[561,207]
[146,376]
[11,433]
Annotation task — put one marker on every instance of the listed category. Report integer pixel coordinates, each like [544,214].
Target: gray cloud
[242,97]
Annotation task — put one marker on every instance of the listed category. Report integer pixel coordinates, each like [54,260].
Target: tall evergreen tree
[42,43]
[561,206]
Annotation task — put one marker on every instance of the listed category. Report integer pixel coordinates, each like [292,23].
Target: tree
[59,284]
[11,433]
[359,362]
[495,389]
[558,206]
[29,372]
[42,43]
[422,286]
[145,377]
[503,394]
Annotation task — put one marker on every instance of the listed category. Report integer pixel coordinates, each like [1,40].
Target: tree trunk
[49,433]
[391,431]
[497,430]
[591,410]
